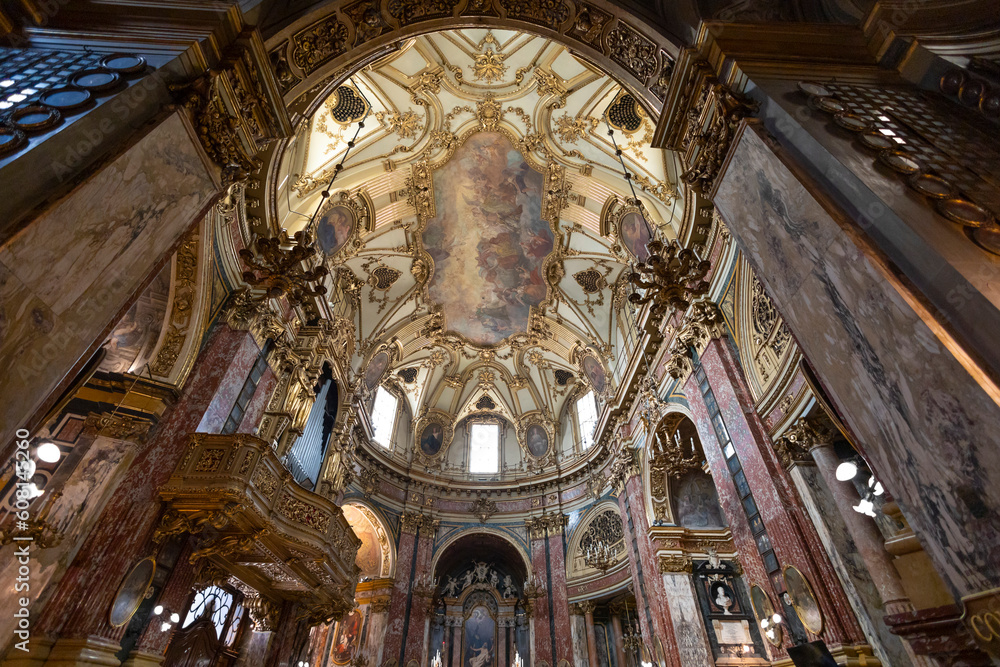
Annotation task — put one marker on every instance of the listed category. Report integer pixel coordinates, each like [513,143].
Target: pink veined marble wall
[560,599]
[793,537]
[927,426]
[540,613]
[255,409]
[400,593]
[79,606]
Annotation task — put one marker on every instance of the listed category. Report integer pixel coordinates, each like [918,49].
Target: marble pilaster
[652,597]
[792,535]
[588,619]
[541,630]
[405,552]
[619,639]
[560,595]
[121,537]
[418,636]
[693,648]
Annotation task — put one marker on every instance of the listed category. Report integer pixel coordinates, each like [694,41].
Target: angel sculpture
[469,576]
[508,587]
[449,588]
[494,578]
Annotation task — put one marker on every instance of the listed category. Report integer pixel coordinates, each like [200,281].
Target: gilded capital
[675,564]
[588,606]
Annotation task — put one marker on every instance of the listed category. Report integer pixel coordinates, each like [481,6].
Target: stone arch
[318,47]
[378,532]
[576,570]
[657,485]
[450,543]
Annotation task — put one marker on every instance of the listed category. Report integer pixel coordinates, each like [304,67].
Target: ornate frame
[139,599]
[391,348]
[581,352]
[447,422]
[795,603]
[361,206]
[761,614]
[525,422]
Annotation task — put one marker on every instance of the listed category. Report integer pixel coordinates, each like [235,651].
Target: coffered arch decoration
[601,523]
[324,42]
[377,555]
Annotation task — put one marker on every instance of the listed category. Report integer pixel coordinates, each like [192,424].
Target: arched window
[384,417]
[484,448]
[586,418]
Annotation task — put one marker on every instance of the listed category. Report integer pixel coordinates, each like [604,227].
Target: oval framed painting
[764,609]
[634,234]
[334,227]
[132,592]
[431,438]
[803,599]
[536,439]
[345,639]
[376,368]
[594,370]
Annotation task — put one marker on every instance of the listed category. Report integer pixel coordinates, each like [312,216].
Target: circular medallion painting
[431,438]
[376,367]
[537,440]
[635,235]
[345,640]
[594,371]
[803,600]
[334,227]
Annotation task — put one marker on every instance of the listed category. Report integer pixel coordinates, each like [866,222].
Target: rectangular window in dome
[484,448]
[383,417]
[586,418]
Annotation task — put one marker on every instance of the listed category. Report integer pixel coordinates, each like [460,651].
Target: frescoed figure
[431,438]
[487,239]
[345,641]
[635,235]
[376,367]
[333,228]
[480,639]
[537,440]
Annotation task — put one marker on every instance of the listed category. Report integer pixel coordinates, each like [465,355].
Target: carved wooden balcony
[253,522]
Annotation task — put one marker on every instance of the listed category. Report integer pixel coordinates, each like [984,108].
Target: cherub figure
[508,587]
[449,588]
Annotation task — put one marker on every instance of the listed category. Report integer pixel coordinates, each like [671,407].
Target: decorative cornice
[625,466]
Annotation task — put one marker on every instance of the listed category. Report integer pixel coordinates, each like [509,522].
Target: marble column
[77,611]
[791,534]
[398,606]
[559,592]
[651,601]
[588,618]
[456,643]
[867,538]
[421,607]
[581,656]
[616,631]
[502,660]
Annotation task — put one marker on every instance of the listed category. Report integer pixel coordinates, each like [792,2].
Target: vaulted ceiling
[474,232]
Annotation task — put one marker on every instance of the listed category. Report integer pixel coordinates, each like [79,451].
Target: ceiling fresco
[487,240]
[480,230]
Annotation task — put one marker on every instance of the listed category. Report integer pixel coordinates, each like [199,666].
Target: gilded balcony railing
[253,522]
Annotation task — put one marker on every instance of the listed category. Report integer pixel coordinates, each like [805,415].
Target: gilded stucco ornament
[484,508]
